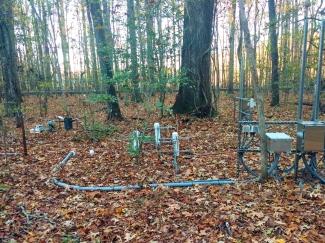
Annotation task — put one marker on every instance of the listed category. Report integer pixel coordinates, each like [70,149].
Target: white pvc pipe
[157,134]
[176,144]
[136,142]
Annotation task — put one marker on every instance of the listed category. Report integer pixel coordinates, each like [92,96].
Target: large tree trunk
[195,93]
[103,56]
[260,102]
[232,45]
[274,54]
[8,62]
[9,58]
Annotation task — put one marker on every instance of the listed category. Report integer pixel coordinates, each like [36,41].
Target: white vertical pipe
[157,134]
[176,144]
[136,144]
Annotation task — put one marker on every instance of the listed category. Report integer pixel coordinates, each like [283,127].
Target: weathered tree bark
[133,44]
[9,58]
[274,54]
[8,62]
[195,94]
[260,102]
[150,41]
[232,47]
[105,64]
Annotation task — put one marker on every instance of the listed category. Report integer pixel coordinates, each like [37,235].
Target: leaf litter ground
[273,212]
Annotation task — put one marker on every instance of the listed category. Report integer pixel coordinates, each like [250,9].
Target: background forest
[136,46]
[114,69]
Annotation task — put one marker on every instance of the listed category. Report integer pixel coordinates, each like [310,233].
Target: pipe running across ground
[119,188]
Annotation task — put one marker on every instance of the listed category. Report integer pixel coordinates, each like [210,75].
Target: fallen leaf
[187,214]
[4,187]
[129,237]
[68,223]
[280,241]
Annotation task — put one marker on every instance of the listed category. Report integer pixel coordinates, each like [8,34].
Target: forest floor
[277,211]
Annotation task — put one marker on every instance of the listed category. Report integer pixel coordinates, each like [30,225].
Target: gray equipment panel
[278,142]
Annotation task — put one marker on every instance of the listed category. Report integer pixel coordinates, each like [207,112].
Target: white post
[136,143]
[157,134]
[176,145]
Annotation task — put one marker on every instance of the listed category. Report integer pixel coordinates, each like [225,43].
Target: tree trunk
[195,94]
[260,102]
[216,90]
[285,59]
[94,68]
[274,54]
[232,47]
[47,58]
[133,44]
[8,59]
[150,45]
[64,44]
[141,45]
[85,42]
[105,64]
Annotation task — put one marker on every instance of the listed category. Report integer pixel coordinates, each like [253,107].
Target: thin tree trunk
[133,44]
[150,41]
[105,64]
[85,43]
[232,47]
[274,54]
[260,102]
[142,50]
[64,44]
[92,51]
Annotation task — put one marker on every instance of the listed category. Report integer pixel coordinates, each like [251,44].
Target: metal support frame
[241,149]
[270,122]
[240,111]
[301,86]
[319,72]
[311,168]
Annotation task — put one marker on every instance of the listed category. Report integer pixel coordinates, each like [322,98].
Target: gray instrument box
[278,142]
[310,136]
